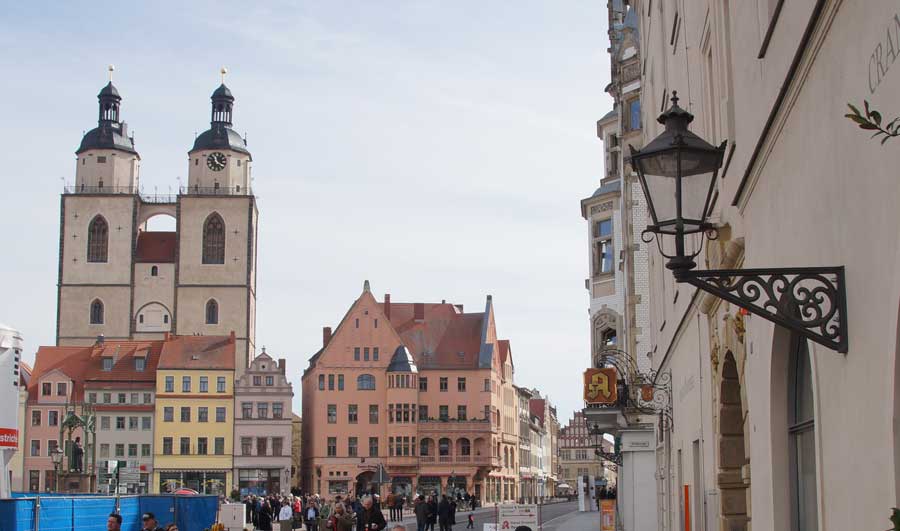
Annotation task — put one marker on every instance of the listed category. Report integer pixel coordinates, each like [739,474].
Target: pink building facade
[423,390]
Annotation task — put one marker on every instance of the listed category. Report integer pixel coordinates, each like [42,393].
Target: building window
[465,448]
[801,432]
[219,446]
[277,445]
[170,384]
[148,398]
[154,271]
[97,318]
[120,423]
[461,385]
[214,240]
[140,364]
[120,450]
[321,382]
[331,382]
[340,382]
[145,450]
[204,384]
[460,412]
[365,382]
[332,447]
[92,398]
[355,353]
[423,447]
[46,389]
[167,446]
[366,354]
[332,414]
[444,412]
[35,418]
[185,384]
[246,445]
[277,410]
[185,446]
[375,349]
[352,443]
[146,423]
[133,423]
[185,414]
[262,446]
[202,445]
[257,380]
[53,418]
[132,450]
[373,446]
[104,423]
[352,413]
[220,414]
[603,233]
[270,380]
[122,398]
[262,410]
[220,384]
[98,240]
[212,312]
[104,450]
[61,389]
[444,446]
[444,384]
[35,448]
[634,115]
[202,414]
[246,410]
[373,413]
[423,413]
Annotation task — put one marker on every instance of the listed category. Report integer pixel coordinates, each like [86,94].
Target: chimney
[443,301]
[282,363]
[326,336]
[387,305]
[419,311]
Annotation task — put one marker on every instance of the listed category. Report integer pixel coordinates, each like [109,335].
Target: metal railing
[128,190]
[157,197]
[215,190]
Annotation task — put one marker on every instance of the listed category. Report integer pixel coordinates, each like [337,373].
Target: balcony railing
[215,190]
[457,459]
[456,426]
[128,190]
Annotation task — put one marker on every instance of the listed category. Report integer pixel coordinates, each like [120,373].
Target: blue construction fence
[32,512]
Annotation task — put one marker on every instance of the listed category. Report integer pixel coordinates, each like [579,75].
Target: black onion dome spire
[220,135]
[111,132]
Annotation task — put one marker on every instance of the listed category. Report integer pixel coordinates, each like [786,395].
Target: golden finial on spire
[111,69]
[223,71]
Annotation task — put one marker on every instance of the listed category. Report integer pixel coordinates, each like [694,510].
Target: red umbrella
[185,490]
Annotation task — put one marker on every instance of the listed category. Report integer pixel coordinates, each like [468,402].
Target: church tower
[217,223]
[97,232]
[122,281]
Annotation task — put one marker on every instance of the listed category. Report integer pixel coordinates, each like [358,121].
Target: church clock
[216,161]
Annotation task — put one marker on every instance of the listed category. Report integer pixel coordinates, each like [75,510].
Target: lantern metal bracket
[811,301]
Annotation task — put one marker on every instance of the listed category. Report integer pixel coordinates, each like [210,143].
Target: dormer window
[140,364]
[107,363]
[101,159]
[61,389]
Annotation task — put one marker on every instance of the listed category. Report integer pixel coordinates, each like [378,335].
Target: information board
[517,517]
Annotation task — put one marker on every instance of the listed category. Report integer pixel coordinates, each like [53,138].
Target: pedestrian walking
[398,504]
[432,512]
[341,519]
[114,522]
[286,513]
[265,517]
[420,509]
[312,516]
[370,518]
[471,524]
[443,513]
[391,508]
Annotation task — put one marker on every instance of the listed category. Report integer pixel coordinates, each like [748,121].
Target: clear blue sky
[438,149]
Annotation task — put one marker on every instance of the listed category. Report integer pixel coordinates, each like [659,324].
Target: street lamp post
[678,171]
[56,455]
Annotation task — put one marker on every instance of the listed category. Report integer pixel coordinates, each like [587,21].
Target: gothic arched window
[96,312]
[212,312]
[154,271]
[214,240]
[365,382]
[98,239]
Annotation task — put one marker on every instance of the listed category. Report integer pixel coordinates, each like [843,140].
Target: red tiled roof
[71,361]
[445,338]
[504,349]
[198,352]
[155,247]
[536,407]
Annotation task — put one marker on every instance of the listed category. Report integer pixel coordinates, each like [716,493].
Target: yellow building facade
[193,443]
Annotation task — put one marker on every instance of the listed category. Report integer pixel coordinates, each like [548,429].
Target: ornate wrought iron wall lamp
[680,165]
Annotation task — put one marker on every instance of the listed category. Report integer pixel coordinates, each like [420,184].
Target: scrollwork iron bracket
[811,301]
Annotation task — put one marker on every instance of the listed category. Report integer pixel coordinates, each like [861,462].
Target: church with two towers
[119,280]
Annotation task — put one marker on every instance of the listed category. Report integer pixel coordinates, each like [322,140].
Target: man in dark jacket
[149,523]
[432,512]
[370,517]
[443,513]
[420,508]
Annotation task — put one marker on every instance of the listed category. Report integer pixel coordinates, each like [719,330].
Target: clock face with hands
[216,161]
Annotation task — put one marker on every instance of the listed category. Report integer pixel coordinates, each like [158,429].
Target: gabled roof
[198,352]
[155,246]
[124,368]
[70,361]
[402,361]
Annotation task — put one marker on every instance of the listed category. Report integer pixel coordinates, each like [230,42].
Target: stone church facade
[119,279]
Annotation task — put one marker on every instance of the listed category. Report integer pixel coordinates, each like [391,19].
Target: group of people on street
[429,511]
[345,514]
[148,523]
[262,511]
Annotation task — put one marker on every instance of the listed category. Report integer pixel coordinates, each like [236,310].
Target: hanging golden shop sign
[600,386]
[647,393]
